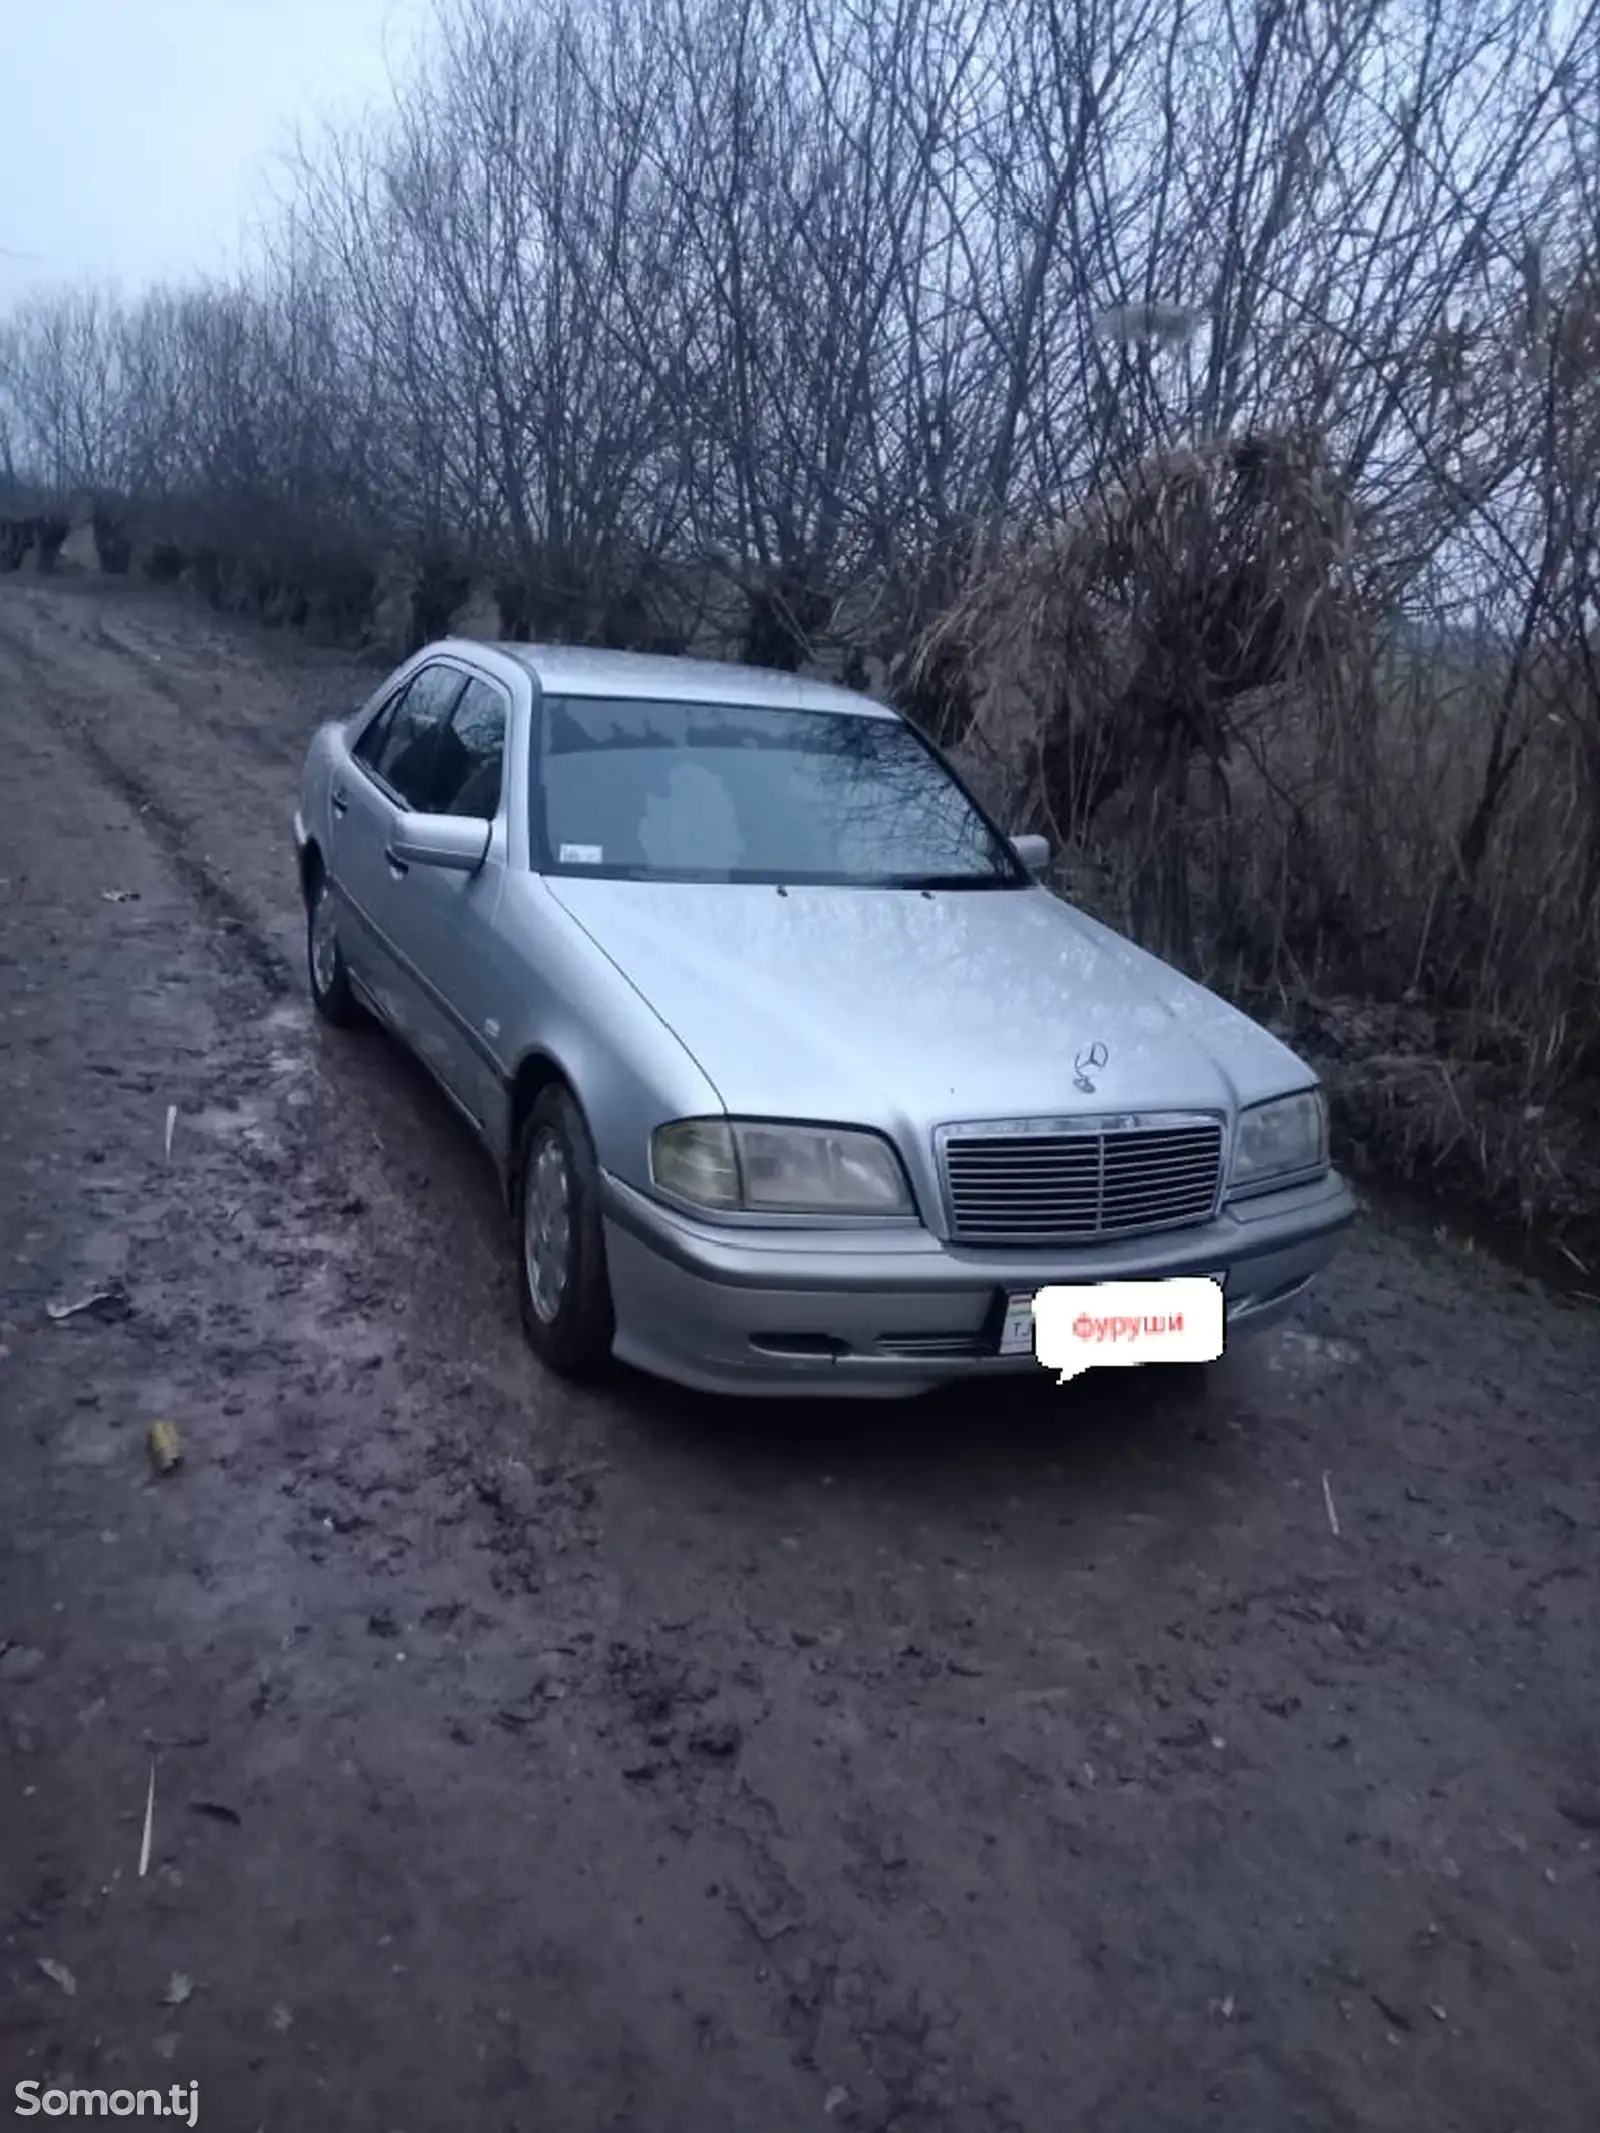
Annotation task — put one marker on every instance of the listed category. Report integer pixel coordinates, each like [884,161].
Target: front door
[441,924]
[391,771]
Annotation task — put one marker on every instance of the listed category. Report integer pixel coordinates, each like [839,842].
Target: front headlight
[744,1166]
[1285,1138]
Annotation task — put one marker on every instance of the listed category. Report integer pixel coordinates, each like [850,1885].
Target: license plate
[1016,1334]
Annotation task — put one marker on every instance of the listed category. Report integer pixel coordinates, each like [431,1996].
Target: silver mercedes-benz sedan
[796,1078]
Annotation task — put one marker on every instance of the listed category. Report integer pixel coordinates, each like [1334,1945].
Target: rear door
[392,770]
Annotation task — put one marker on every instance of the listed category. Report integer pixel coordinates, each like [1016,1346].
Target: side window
[471,754]
[407,756]
[370,746]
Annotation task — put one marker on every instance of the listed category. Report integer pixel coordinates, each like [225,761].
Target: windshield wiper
[947,881]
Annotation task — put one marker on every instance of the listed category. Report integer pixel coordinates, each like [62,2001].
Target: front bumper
[890,1312]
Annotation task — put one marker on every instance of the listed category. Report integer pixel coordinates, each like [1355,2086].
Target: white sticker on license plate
[1017,1334]
[1085,1326]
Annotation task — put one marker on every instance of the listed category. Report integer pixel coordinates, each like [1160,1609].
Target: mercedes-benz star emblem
[1091,1060]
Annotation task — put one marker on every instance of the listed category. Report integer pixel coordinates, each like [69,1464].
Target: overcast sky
[140,135]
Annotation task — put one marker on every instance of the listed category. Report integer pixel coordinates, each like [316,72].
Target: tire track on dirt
[272,970]
[273,754]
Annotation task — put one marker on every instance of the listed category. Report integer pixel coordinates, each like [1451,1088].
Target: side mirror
[1034,852]
[455,842]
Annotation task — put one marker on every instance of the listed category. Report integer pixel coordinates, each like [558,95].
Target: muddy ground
[565,1763]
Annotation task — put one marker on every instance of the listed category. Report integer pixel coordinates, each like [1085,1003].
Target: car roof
[582,670]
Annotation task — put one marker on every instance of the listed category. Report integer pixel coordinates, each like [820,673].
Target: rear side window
[470,759]
[406,738]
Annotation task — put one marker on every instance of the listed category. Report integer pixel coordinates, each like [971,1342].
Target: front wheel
[331,992]
[563,1289]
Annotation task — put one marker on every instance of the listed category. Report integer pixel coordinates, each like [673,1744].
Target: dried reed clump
[1117,650]
[1213,571]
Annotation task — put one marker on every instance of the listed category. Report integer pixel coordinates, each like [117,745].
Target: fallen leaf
[164,1445]
[58,1974]
[179,1989]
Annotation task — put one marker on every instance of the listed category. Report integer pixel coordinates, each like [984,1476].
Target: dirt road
[1042,1760]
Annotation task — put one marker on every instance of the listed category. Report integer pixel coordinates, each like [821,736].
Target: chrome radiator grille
[1108,1179]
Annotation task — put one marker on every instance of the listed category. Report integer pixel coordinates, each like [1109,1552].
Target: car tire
[331,993]
[563,1288]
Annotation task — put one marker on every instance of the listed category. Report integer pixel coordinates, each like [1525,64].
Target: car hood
[899,1007]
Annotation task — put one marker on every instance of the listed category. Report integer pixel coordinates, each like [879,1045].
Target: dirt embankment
[550,1761]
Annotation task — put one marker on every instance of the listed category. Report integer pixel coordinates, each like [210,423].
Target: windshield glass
[729,792]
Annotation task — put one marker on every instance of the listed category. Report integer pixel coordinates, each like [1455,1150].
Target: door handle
[397,865]
[339,801]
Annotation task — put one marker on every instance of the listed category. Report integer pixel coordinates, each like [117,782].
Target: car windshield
[648,791]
